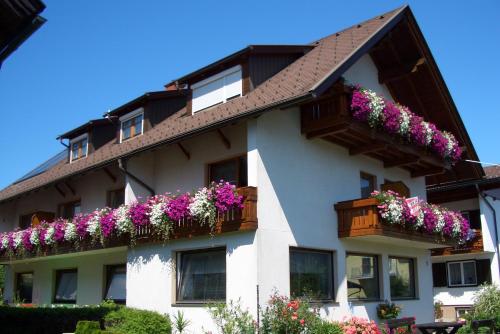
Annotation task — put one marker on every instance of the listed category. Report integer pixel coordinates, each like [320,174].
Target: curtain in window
[311,274]
[66,286]
[203,276]
[455,274]
[117,283]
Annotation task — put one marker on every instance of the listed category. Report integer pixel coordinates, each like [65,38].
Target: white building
[458,273]
[272,119]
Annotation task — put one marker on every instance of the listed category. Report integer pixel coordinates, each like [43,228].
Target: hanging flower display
[422,216]
[160,212]
[380,113]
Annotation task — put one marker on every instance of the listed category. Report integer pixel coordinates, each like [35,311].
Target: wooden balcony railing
[234,220]
[360,219]
[329,118]
[473,246]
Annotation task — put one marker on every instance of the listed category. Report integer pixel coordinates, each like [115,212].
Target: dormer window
[79,147]
[132,125]
[217,89]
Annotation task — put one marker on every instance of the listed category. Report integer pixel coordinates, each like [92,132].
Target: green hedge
[134,321]
[47,320]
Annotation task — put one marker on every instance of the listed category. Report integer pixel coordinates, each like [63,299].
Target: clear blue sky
[92,56]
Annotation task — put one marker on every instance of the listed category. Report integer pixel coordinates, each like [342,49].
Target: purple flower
[81,221]
[360,105]
[41,236]
[10,237]
[26,240]
[392,117]
[178,208]
[226,197]
[59,230]
[439,142]
[417,130]
[448,217]
[108,224]
[139,214]
[430,219]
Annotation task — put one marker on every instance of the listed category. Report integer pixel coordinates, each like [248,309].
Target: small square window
[66,286]
[201,276]
[79,147]
[116,283]
[367,184]
[24,287]
[311,274]
[131,125]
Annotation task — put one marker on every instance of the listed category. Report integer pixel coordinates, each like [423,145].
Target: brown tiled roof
[301,79]
[492,172]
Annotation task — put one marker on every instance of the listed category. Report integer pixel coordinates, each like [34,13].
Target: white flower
[5,241]
[157,214]
[70,232]
[93,225]
[202,207]
[49,236]
[419,222]
[18,239]
[35,237]
[393,214]
[429,133]
[377,106]
[404,127]
[123,221]
[439,219]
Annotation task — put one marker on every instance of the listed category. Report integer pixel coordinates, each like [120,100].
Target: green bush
[325,327]
[231,318]
[486,306]
[134,321]
[47,320]
[88,327]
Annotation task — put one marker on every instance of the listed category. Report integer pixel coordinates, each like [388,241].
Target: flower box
[360,219]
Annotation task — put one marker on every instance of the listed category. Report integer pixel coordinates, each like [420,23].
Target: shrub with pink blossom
[356,325]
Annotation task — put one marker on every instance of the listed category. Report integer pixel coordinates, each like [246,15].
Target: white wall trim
[129,116]
[76,140]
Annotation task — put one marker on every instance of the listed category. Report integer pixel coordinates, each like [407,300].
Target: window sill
[405,299]
[196,304]
[364,301]
[324,302]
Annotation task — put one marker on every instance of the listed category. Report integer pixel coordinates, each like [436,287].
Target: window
[232,170]
[311,274]
[462,273]
[201,276]
[461,312]
[474,218]
[25,221]
[362,277]
[116,278]
[24,287]
[367,184]
[116,198]
[402,277]
[79,147]
[66,284]
[69,210]
[132,125]
[217,89]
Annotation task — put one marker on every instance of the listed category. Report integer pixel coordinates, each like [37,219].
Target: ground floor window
[362,277]
[24,287]
[201,275]
[402,277]
[66,285]
[462,273]
[311,274]
[116,283]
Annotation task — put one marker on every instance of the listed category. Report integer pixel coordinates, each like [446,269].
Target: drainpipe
[483,196]
[123,167]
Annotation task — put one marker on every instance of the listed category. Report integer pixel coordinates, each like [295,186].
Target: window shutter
[483,271]
[439,274]
[208,95]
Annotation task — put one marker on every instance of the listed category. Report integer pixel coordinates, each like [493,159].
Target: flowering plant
[425,217]
[380,113]
[388,310]
[357,325]
[159,212]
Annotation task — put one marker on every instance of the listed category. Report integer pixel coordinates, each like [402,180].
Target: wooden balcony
[329,118]
[359,220]
[473,246]
[234,220]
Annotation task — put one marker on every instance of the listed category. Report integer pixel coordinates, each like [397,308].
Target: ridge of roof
[292,84]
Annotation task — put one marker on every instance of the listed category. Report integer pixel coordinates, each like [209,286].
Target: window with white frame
[462,273]
[217,89]
[79,147]
[131,124]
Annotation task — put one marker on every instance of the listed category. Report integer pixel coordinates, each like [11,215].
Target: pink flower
[178,207]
